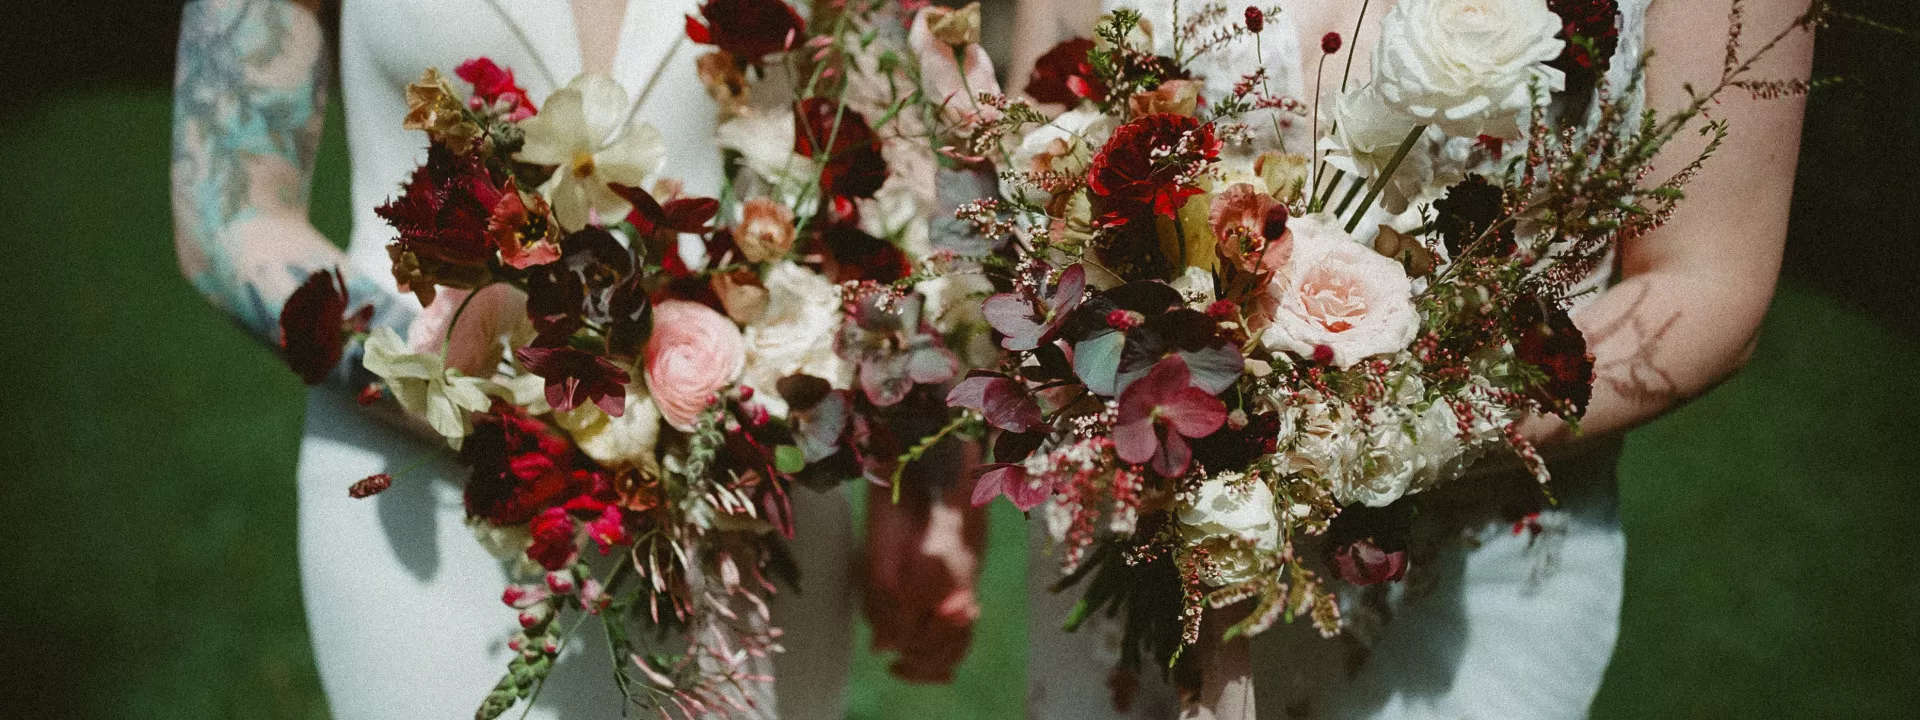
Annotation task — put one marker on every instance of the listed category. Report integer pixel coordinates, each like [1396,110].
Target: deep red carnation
[1133,183]
[443,210]
[519,467]
[854,166]
[576,377]
[493,85]
[747,29]
[553,546]
[313,331]
[1064,76]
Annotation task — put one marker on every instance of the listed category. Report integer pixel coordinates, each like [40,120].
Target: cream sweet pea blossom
[1062,146]
[1233,519]
[794,335]
[1468,67]
[1336,295]
[579,130]
[424,386]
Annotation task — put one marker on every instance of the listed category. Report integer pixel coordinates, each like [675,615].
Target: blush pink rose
[693,354]
[1337,297]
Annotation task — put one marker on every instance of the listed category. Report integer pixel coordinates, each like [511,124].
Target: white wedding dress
[1488,625]
[403,603]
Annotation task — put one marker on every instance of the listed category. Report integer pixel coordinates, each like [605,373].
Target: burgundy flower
[553,546]
[1012,480]
[1003,401]
[576,377]
[1256,20]
[1550,341]
[1133,183]
[1027,321]
[854,167]
[1363,563]
[1467,211]
[519,467]
[443,210]
[523,230]
[494,86]
[1592,32]
[313,329]
[747,29]
[1159,412]
[609,529]
[1330,43]
[857,256]
[1064,76]
[680,215]
[370,486]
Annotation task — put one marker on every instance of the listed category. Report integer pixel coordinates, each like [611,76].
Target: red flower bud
[370,486]
[560,583]
[1223,310]
[1124,320]
[1330,43]
[1362,563]
[371,394]
[1256,20]
[1323,354]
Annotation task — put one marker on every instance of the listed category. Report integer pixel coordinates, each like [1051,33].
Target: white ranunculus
[1326,441]
[616,442]
[1366,134]
[794,335]
[425,387]
[579,129]
[1062,146]
[1335,294]
[1468,67]
[1233,518]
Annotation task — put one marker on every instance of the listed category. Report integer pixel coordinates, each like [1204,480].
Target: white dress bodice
[403,603]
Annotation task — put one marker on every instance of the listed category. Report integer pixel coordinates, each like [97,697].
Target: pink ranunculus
[1337,297]
[1245,230]
[953,75]
[476,346]
[693,355]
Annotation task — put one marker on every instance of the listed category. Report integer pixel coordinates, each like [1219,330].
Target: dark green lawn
[147,520]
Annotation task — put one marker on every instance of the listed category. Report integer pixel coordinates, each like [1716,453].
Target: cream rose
[1367,133]
[693,354]
[794,335]
[1468,67]
[616,442]
[1338,294]
[1233,519]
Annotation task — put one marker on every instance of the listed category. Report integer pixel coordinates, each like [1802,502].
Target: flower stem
[1386,176]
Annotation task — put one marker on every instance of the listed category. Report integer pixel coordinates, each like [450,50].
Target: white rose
[1468,66]
[1233,519]
[1062,146]
[1337,293]
[1367,133]
[794,335]
[1326,441]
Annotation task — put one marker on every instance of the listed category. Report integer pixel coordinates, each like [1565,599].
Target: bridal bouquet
[636,376]
[1241,328]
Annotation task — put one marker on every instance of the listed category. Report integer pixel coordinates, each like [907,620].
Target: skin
[1686,312]
[250,101]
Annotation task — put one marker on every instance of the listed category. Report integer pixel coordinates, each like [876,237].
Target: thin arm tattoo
[249,100]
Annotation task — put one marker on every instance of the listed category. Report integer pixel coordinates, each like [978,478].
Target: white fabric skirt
[404,605]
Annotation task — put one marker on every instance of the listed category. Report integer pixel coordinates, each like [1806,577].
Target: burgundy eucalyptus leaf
[1028,321]
[1013,481]
[1003,402]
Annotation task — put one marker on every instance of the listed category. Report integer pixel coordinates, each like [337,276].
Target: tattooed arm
[249,100]
[1687,313]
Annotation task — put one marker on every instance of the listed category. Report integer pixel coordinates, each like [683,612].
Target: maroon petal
[1136,442]
[1174,456]
[1194,413]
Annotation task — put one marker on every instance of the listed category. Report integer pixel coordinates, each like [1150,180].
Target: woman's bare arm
[249,100]
[1687,312]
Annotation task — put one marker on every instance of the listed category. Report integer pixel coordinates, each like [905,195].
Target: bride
[1512,607]
[402,602]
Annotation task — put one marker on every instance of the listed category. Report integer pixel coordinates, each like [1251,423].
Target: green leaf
[789,459]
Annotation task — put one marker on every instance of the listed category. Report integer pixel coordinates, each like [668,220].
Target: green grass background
[147,502]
